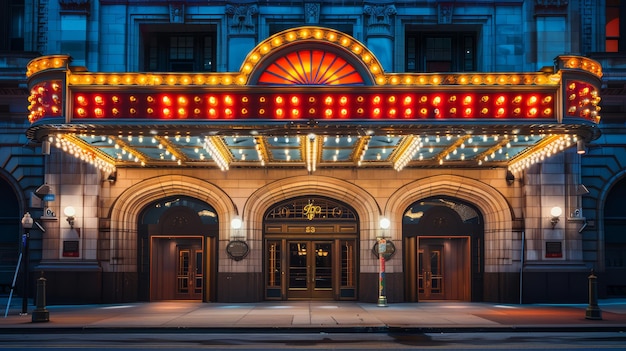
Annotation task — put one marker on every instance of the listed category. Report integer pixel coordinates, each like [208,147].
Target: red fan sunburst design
[310,67]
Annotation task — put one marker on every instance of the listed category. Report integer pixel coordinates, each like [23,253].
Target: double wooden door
[310,272]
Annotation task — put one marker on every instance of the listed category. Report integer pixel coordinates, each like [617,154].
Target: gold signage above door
[311,210]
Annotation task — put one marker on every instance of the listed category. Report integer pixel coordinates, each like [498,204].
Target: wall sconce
[510,178]
[385,223]
[70,212]
[580,147]
[236,223]
[555,212]
[112,177]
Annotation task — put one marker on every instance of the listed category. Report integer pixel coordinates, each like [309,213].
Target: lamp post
[27,223]
[382,248]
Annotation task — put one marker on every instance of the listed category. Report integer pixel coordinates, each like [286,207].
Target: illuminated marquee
[324,84]
[344,104]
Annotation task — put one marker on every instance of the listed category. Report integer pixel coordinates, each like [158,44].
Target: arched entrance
[177,250]
[443,239]
[9,233]
[311,250]
[615,241]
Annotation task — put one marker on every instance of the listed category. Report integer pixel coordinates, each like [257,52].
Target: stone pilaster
[242,27]
[379,31]
[74,15]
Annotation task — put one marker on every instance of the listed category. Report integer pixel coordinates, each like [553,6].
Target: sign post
[382,248]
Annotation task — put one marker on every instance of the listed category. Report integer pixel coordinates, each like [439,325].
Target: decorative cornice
[241,17]
[311,13]
[76,6]
[551,7]
[444,12]
[177,13]
[552,3]
[379,18]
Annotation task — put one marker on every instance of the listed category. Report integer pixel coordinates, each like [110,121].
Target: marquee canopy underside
[314,143]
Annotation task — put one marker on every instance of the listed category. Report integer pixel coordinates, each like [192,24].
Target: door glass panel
[420,272]
[348,272]
[273,264]
[436,280]
[298,265]
[323,266]
[430,276]
[199,276]
[183,271]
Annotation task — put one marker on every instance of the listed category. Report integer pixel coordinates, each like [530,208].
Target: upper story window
[12,25]
[440,51]
[614,8]
[169,50]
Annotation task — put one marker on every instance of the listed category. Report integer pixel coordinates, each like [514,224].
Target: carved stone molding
[379,21]
[177,13]
[551,7]
[444,12]
[589,17]
[241,17]
[76,6]
[42,26]
[311,13]
[552,3]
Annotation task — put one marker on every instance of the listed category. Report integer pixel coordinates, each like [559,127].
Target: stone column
[242,31]
[379,31]
[74,15]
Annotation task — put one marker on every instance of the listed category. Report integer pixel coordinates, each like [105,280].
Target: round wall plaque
[237,250]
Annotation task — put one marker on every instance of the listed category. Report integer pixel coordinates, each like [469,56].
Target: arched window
[615,227]
[9,232]
[153,212]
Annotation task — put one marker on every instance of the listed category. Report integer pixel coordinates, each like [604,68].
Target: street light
[382,247]
[27,223]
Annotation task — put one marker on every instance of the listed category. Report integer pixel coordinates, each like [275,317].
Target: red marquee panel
[580,99]
[282,104]
[45,100]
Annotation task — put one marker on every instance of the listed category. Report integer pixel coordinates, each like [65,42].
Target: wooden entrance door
[443,271]
[430,274]
[310,270]
[189,272]
[177,270]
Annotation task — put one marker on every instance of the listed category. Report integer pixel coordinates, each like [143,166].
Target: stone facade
[512,36]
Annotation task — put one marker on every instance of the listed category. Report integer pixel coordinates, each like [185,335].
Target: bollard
[593,311]
[41,314]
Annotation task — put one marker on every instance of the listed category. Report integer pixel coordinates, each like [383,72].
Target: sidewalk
[314,316]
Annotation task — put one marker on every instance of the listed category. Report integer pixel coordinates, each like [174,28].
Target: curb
[311,330]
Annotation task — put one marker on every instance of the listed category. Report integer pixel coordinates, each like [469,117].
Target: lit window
[612,25]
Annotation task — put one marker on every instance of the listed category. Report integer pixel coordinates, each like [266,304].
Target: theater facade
[290,178]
